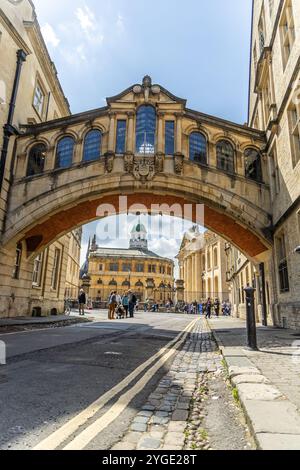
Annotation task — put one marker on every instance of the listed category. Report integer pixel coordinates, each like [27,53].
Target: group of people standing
[122,307]
[208,307]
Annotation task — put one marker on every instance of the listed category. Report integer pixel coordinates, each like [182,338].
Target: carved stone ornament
[159,162]
[178,163]
[147,88]
[109,162]
[129,162]
[144,168]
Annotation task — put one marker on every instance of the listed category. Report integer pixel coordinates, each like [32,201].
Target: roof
[127,253]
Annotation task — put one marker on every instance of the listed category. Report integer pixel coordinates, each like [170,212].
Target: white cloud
[49,35]
[120,23]
[86,18]
[89,25]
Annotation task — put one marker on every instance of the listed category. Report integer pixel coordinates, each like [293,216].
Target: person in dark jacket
[81,301]
[132,303]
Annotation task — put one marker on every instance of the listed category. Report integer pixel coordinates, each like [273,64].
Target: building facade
[30,93]
[148,275]
[274,107]
[241,273]
[202,266]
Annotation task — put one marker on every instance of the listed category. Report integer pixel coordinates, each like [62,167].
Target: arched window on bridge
[64,152]
[225,156]
[253,169]
[92,145]
[36,160]
[145,130]
[198,148]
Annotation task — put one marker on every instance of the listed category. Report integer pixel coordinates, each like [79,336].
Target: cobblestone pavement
[175,417]
[278,358]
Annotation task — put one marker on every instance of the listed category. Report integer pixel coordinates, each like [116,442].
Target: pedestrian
[217,307]
[81,302]
[200,308]
[125,303]
[228,308]
[132,303]
[112,305]
[208,308]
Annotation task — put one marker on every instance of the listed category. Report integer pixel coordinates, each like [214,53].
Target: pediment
[148,92]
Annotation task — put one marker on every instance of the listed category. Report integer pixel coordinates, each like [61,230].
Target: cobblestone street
[192,407]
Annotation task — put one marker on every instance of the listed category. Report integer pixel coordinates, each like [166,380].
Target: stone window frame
[38,266]
[233,145]
[59,139]
[262,31]
[255,149]
[39,84]
[85,135]
[201,132]
[39,143]
[57,259]
[18,261]
[287,32]
[282,267]
[294,131]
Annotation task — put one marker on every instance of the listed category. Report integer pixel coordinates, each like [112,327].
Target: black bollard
[251,322]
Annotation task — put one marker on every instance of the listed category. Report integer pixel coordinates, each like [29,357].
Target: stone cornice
[227,125]
[14,33]
[48,67]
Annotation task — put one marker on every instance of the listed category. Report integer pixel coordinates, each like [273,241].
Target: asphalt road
[53,375]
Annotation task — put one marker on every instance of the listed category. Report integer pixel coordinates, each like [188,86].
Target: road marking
[86,436]
[65,431]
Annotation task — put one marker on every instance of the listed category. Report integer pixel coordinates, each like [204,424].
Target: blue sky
[197,49]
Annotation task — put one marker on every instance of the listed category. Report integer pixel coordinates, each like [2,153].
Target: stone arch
[57,136]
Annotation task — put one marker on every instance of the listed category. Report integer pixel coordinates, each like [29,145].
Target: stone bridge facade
[150,148]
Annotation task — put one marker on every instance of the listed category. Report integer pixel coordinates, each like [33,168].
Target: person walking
[81,302]
[125,303]
[208,308]
[132,303]
[217,307]
[112,304]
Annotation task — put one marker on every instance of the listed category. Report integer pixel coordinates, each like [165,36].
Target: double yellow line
[91,431]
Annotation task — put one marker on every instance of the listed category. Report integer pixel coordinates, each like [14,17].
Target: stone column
[78,151]
[160,134]
[212,155]
[198,274]
[189,277]
[111,135]
[240,163]
[179,132]
[50,158]
[130,133]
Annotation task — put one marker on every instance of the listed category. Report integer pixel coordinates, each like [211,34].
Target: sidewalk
[39,321]
[268,381]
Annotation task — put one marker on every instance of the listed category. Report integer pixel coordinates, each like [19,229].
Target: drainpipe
[8,127]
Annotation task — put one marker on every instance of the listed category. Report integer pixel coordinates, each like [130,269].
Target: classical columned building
[202,266]
[136,268]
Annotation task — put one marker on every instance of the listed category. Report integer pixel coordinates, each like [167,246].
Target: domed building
[148,275]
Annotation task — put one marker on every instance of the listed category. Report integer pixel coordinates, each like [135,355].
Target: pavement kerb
[40,321]
[266,439]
